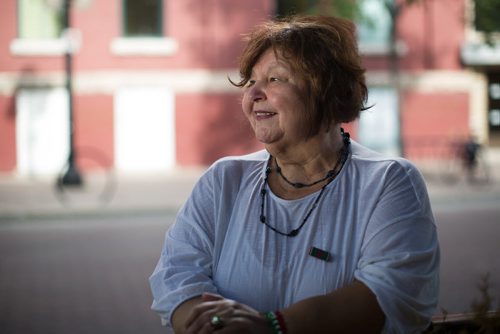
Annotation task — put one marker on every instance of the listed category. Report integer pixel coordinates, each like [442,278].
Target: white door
[144,129]
[42,130]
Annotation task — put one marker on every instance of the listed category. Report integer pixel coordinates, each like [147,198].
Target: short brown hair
[323,52]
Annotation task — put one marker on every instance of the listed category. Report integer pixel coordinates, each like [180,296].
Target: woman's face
[273,102]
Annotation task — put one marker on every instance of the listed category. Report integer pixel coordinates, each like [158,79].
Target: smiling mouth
[264,114]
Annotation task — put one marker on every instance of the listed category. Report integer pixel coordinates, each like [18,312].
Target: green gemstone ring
[216,322]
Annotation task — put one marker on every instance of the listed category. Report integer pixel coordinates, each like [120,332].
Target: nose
[256,92]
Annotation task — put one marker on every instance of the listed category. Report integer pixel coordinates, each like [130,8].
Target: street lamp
[394,8]
[72,176]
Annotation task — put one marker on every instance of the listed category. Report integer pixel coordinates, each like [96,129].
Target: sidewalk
[24,198]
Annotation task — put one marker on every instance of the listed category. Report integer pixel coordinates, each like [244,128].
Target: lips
[260,114]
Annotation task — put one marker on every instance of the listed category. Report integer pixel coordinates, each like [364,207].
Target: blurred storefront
[151,89]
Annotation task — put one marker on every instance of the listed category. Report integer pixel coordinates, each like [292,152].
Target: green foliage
[487,321]
[487,17]
[343,8]
[483,318]
[350,9]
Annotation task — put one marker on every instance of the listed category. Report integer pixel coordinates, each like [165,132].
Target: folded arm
[352,309]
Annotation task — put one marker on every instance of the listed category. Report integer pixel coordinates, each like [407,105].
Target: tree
[344,8]
[487,17]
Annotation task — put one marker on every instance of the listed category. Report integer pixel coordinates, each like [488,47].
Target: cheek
[246,106]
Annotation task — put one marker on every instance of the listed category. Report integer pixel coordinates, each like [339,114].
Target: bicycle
[466,161]
[98,184]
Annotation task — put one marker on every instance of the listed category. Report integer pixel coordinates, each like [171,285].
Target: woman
[315,233]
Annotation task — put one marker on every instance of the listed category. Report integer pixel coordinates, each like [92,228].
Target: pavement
[101,194]
[107,194]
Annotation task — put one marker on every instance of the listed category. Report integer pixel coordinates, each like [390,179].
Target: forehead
[270,59]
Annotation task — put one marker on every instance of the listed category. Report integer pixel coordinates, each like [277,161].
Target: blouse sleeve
[184,269]
[400,255]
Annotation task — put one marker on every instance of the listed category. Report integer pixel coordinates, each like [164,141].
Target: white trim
[480,54]
[69,41]
[107,82]
[144,46]
[381,49]
[39,47]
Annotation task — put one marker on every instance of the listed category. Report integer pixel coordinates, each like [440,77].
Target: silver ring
[216,322]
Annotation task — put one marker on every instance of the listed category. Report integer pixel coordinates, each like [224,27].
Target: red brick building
[150,90]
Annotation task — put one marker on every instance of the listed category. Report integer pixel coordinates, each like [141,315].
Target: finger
[211,302]
[207,297]
[202,314]
[204,323]
[197,312]
[199,325]
[224,309]
[242,321]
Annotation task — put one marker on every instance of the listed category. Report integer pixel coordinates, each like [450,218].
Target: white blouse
[374,220]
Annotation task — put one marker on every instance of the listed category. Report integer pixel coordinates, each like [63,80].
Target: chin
[263,136]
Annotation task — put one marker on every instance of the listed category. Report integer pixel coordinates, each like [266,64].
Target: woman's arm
[182,312]
[351,309]
[194,315]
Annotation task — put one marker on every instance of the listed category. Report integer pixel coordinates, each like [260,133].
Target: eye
[250,83]
[273,79]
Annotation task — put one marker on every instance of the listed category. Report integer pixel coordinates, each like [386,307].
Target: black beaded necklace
[299,185]
[331,175]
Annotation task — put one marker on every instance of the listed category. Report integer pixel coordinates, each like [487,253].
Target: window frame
[159,29]
[144,46]
[51,46]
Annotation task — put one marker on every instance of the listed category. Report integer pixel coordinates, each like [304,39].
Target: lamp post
[72,176]
[394,8]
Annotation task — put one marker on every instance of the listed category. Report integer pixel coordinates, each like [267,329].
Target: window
[39,20]
[40,30]
[142,18]
[142,30]
[494,103]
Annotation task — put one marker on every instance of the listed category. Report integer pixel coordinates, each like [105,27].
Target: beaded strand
[263,192]
[276,322]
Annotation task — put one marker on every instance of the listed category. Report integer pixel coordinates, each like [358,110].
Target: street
[469,241]
[85,275]
[88,273]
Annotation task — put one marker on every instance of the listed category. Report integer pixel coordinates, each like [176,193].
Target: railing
[450,161]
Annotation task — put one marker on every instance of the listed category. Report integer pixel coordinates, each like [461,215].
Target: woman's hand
[234,317]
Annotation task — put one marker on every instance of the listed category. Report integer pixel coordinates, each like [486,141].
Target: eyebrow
[274,66]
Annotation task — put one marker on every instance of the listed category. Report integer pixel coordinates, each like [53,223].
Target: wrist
[276,322]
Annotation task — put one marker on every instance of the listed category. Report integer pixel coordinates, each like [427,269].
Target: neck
[310,162]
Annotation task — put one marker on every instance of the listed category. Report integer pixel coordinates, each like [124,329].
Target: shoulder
[363,157]
[236,169]
[388,172]
[241,160]
[240,163]
[224,179]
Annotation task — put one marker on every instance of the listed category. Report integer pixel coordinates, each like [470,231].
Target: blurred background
[111,109]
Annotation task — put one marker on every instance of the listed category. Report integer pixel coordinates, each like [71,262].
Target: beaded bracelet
[276,322]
